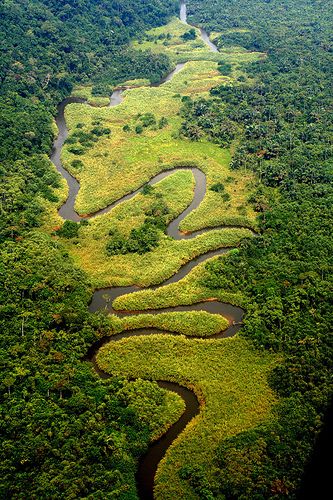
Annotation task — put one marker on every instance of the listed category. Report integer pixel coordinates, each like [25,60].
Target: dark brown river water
[103,299]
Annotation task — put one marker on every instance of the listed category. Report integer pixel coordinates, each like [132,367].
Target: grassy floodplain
[157,265]
[228,377]
[140,156]
[186,291]
[126,160]
[198,323]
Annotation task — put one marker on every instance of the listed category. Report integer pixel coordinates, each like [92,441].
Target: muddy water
[103,299]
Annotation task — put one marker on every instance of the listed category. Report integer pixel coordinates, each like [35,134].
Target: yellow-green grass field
[186,291]
[127,159]
[229,378]
[179,50]
[195,323]
[89,249]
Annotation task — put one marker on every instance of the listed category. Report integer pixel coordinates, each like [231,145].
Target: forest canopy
[64,432]
[282,113]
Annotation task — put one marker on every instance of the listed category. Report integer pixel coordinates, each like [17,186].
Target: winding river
[148,464]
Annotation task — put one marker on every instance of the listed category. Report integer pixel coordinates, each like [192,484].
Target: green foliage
[77,164]
[69,229]
[233,366]
[284,274]
[195,475]
[163,122]
[218,187]
[23,184]
[99,131]
[280,460]
[141,240]
[147,190]
[25,126]
[225,68]
[83,140]
[64,432]
[147,120]
[189,35]
[204,118]
[139,129]
[117,245]
[48,394]
[146,237]
[101,89]
[194,323]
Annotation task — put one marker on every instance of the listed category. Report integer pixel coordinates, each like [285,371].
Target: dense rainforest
[59,422]
[65,433]
[284,134]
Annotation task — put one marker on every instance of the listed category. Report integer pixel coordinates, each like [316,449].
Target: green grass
[195,323]
[229,378]
[156,266]
[126,159]
[180,51]
[187,291]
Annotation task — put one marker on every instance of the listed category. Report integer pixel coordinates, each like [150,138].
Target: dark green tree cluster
[204,119]
[80,141]
[148,120]
[189,35]
[146,237]
[285,119]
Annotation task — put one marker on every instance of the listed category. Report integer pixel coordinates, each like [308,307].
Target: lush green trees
[189,35]
[205,119]
[144,238]
[46,47]
[285,121]
[64,433]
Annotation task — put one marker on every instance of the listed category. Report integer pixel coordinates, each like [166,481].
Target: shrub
[224,68]
[69,229]
[77,164]
[189,35]
[99,131]
[77,151]
[163,122]
[117,245]
[141,240]
[218,187]
[148,120]
[147,189]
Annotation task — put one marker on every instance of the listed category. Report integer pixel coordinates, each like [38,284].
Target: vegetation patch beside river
[133,158]
[229,378]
